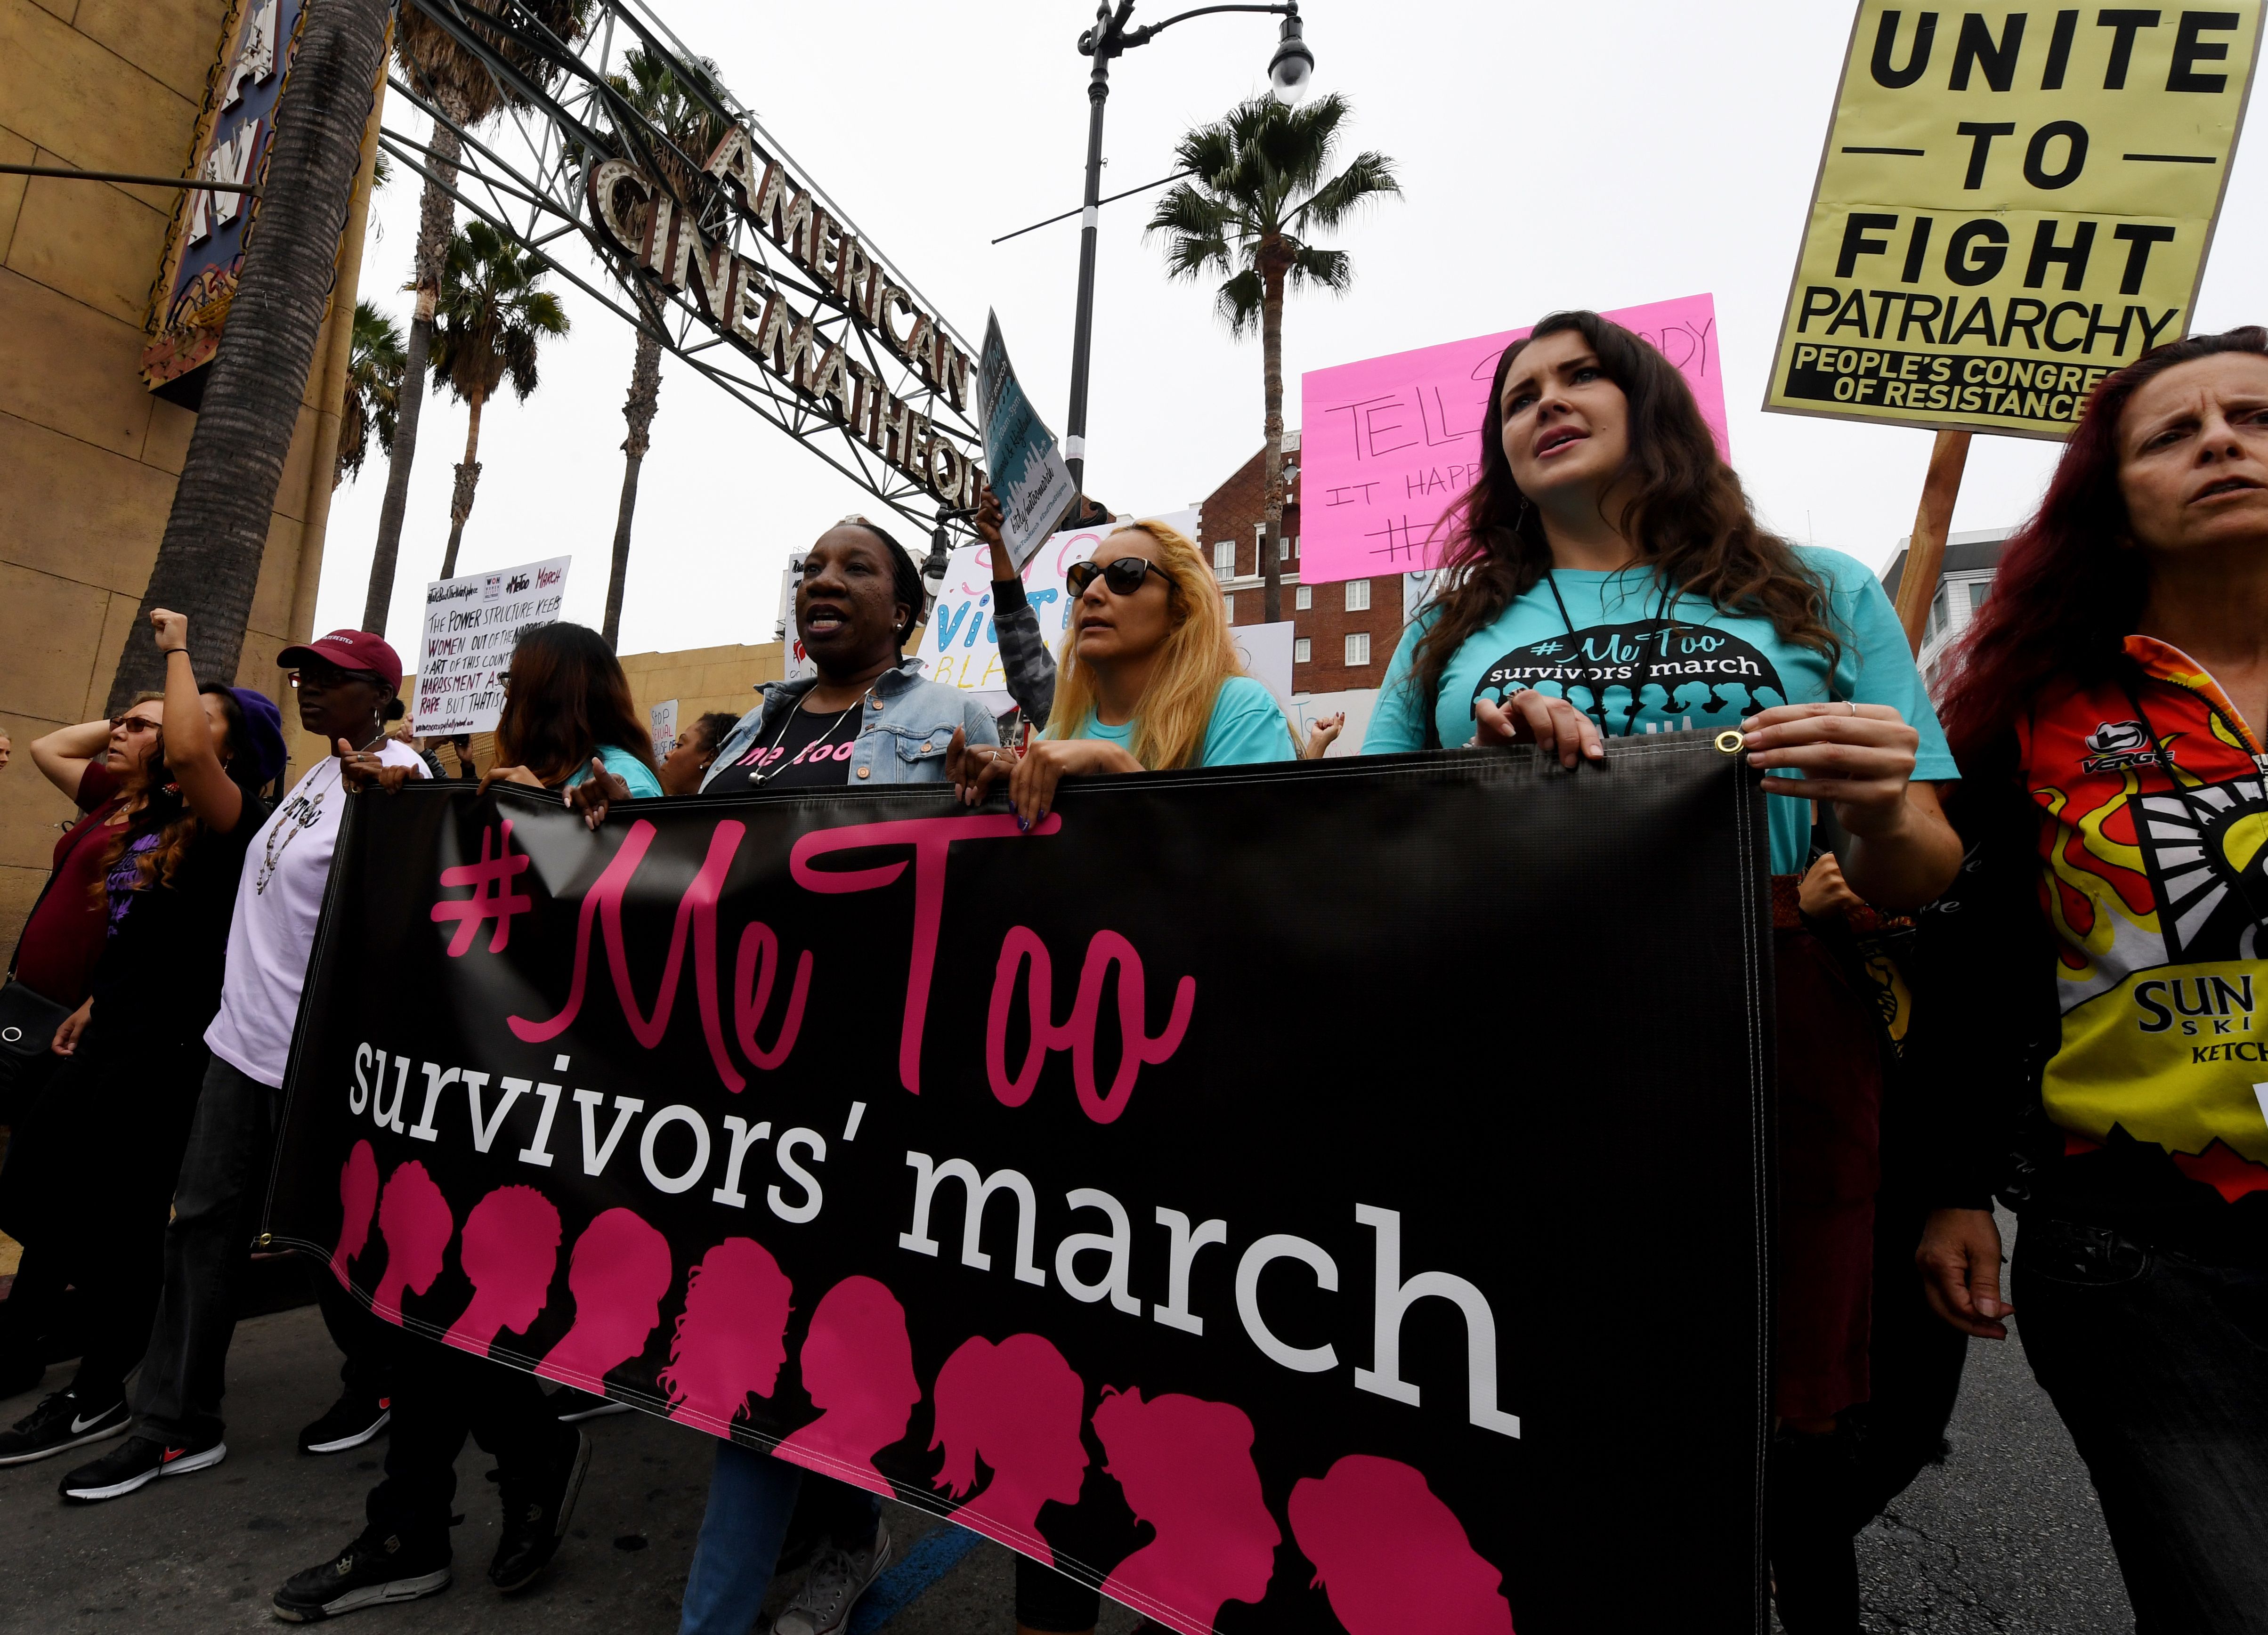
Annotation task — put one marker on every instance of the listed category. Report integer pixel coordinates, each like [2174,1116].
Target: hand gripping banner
[1318,1197]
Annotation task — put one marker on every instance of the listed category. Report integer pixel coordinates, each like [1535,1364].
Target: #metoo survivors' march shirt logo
[1654,675]
[2012,204]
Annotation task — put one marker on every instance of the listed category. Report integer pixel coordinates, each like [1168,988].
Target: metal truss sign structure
[733,258]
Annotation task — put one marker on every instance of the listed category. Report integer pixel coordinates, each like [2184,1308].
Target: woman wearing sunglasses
[98,764]
[1147,679]
[345,684]
[91,1172]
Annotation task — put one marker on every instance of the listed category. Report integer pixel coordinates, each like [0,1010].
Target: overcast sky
[1602,155]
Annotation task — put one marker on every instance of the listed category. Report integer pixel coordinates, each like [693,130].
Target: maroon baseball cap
[350,649]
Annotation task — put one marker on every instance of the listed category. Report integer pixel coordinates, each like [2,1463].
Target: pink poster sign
[1389,444]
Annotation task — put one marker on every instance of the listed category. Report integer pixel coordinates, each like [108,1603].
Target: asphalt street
[2004,1539]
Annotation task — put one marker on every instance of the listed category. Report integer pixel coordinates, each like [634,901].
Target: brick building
[1343,634]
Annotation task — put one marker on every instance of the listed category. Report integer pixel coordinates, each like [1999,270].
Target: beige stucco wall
[88,457]
[703,679]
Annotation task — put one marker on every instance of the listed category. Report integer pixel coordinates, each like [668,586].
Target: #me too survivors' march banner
[2013,204]
[1212,1192]
[472,623]
[1389,444]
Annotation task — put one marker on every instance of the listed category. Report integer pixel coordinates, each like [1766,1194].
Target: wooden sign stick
[1925,551]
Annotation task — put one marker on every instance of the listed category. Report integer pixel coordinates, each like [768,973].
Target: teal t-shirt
[1634,664]
[1247,725]
[624,765]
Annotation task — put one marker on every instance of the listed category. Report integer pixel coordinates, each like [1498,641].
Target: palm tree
[1255,194]
[374,401]
[488,321]
[652,91]
[209,561]
[458,83]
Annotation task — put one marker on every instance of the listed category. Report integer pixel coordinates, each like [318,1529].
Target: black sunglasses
[1124,575]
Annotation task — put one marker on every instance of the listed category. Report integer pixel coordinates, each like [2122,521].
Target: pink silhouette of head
[859,1367]
[357,1205]
[1185,1466]
[732,1336]
[618,1273]
[1017,1406]
[414,1220]
[510,1251]
[1391,1556]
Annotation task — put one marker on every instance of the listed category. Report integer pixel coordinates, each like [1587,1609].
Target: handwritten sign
[472,623]
[961,645]
[1389,444]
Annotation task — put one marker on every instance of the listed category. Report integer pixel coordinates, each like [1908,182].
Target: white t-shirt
[278,901]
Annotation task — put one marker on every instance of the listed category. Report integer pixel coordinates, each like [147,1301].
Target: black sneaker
[350,1422]
[572,1407]
[535,1514]
[369,1572]
[136,1461]
[58,1423]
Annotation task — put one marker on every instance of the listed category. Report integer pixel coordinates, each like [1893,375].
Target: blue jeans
[2159,1366]
[751,1498]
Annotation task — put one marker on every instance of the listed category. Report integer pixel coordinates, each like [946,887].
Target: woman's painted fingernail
[1023,825]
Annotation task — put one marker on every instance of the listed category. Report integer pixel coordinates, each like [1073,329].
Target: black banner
[1312,1197]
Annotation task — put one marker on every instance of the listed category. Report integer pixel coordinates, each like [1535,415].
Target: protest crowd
[2121,662]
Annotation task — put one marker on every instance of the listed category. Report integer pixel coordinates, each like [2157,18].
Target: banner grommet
[1730,742]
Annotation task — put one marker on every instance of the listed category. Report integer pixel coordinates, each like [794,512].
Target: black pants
[117,1295]
[31,1313]
[1823,1490]
[2159,1366]
[442,1394]
[216,1216]
[117,1284]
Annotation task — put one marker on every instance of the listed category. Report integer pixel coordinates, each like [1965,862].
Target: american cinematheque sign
[641,220]
[1205,1193]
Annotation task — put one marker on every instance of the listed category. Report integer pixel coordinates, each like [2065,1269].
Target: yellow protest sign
[2013,202]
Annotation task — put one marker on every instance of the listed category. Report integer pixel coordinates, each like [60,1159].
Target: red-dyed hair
[2070,584]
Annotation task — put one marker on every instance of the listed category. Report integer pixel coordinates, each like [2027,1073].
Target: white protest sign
[1266,652]
[661,721]
[472,623]
[961,646]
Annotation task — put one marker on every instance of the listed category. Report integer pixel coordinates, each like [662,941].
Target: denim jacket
[902,740]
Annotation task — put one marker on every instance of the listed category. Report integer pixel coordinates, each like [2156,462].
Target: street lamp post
[1288,73]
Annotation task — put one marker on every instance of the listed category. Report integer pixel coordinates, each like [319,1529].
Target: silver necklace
[789,720]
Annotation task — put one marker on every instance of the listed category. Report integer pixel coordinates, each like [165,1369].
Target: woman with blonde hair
[1147,679]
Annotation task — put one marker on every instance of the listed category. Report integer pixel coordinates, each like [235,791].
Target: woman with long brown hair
[568,714]
[2098,1034]
[1606,578]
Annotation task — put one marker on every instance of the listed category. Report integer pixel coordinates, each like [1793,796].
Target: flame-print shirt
[2148,797]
